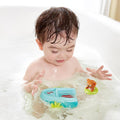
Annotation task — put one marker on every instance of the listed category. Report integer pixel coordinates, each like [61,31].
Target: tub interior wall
[102,34]
[97,32]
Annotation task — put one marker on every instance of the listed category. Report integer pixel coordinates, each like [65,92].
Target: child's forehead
[61,41]
[61,45]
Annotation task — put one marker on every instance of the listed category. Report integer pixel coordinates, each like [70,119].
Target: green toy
[91,88]
[87,91]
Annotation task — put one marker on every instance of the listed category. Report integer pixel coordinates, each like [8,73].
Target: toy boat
[65,97]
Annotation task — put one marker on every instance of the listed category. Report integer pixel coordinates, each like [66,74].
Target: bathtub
[98,43]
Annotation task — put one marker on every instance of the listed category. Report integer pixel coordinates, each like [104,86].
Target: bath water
[15,104]
[90,107]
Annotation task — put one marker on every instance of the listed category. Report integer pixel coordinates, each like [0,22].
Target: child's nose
[62,55]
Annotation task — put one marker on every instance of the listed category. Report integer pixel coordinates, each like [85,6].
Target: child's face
[58,53]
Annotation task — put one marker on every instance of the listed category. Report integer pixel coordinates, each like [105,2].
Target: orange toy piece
[91,85]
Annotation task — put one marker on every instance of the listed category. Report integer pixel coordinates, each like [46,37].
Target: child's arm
[32,87]
[99,73]
[32,78]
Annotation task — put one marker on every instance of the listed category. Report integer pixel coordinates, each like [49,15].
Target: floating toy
[60,97]
[91,88]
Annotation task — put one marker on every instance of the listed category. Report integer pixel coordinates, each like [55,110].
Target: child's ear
[39,44]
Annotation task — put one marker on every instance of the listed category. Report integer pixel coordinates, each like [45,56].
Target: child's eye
[54,51]
[69,50]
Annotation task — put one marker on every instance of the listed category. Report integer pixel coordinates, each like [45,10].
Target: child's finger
[105,71]
[107,78]
[37,82]
[100,68]
[34,90]
[89,69]
[108,74]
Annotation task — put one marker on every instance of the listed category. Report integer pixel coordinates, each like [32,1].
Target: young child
[56,31]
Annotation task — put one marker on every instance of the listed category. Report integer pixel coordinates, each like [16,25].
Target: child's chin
[59,64]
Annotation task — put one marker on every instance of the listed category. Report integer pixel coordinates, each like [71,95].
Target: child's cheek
[70,55]
[52,57]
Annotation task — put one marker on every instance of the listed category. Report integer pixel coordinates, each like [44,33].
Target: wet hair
[53,21]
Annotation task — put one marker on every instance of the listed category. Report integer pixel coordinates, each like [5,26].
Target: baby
[56,31]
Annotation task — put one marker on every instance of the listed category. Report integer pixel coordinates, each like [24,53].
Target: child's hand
[37,80]
[34,86]
[100,74]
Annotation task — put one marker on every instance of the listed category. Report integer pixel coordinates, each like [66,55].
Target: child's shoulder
[33,68]
[36,63]
[76,62]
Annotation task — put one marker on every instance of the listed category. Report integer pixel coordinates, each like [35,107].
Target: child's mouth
[60,61]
